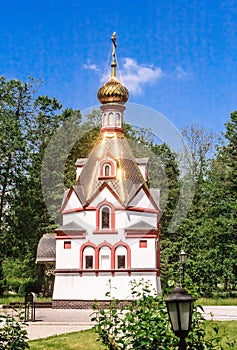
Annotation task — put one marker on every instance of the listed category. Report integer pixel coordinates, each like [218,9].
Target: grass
[218,301]
[6,299]
[203,301]
[86,340]
[227,331]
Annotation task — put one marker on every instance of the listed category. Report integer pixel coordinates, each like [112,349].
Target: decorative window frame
[99,249]
[83,256]
[112,170]
[113,255]
[127,255]
[99,209]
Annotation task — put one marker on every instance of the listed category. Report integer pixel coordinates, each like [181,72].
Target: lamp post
[183,258]
[180,308]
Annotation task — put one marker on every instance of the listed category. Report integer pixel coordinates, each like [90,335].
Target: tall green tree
[15,115]
[209,231]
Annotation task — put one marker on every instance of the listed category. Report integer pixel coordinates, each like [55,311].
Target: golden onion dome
[113,90]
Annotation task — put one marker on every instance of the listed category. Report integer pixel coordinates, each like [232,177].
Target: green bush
[143,324]
[18,278]
[12,334]
[31,285]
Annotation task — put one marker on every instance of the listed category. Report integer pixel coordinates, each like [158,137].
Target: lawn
[86,340]
[227,331]
[203,301]
[218,301]
[7,299]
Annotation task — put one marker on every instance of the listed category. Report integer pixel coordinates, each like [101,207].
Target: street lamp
[180,308]
[183,258]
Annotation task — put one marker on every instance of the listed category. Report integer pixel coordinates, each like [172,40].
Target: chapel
[110,231]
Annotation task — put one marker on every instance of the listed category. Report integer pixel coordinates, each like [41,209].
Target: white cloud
[91,66]
[134,76]
[180,73]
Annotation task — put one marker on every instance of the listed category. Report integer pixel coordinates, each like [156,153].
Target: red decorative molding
[85,245]
[123,244]
[72,210]
[141,209]
[112,169]
[65,236]
[145,189]
[112,129]
[100,189]
[106,244]
[97,254]
[107,232]
[141,233]
[109,271]
[98,217]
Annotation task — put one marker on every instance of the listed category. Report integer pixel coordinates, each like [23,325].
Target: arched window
[105,218]
[105,119]
[107,170]
[121,257]
[111,119]
[118,119]
[89,258]
[105,258]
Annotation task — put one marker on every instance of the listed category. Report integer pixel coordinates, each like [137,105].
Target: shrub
[31,285]
[12,334]
[143,324]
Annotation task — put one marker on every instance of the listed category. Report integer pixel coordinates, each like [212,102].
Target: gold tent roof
[118,149]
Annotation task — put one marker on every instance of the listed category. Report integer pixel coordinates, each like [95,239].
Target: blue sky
[177,57]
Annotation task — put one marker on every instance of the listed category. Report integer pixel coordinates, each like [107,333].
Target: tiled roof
[70,227]
[141,225]
[46,250]
[111,146]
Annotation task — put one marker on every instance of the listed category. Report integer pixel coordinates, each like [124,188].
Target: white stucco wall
[74,287]
[142,201]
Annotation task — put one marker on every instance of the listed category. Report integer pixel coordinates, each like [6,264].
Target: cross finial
[113,64]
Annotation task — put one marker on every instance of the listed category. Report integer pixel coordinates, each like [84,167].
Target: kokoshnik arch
[110,216]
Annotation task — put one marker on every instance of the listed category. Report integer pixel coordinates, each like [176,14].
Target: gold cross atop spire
[113,64]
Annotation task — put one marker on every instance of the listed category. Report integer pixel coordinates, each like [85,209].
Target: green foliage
[143,324]
[17,277]
[28,125]
[209,233]
[13,335]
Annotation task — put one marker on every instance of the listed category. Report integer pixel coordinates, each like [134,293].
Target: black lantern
[183,258]
[180,308]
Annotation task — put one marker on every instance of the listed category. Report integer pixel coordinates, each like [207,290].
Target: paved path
[220,313]
[58,321]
